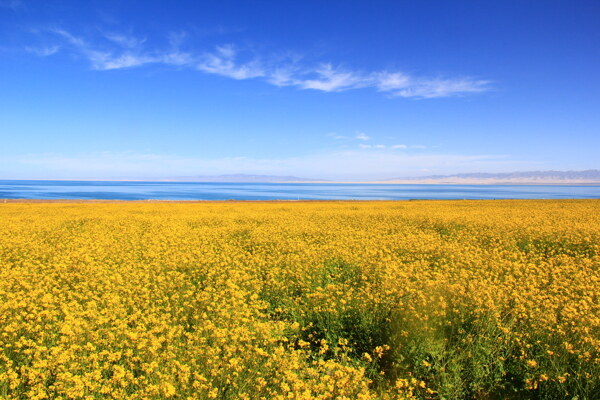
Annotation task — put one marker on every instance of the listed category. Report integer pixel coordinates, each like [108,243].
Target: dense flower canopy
[417,299]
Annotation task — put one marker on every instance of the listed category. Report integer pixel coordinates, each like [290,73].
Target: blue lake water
[13,189]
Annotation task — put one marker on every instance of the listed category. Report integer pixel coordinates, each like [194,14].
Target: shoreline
[233,201]
[468,182]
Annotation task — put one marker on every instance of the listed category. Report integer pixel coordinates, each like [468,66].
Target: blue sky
[318,89]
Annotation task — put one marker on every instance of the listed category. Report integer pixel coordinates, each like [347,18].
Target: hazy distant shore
[586,177]
[380,182]
[470,182]
[108,201]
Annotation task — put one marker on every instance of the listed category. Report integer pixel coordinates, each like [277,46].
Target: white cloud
[283,75]
[126,51]
[364,137]
[428,89]
[330,79]
[337,137]
[391,81]
[402,85]
[43,51]
[176,58]
[123,40]
[100,59]
[74,40]
[392,147]
[223,62]
[107,61]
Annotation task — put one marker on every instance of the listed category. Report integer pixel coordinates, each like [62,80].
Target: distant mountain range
[590,176]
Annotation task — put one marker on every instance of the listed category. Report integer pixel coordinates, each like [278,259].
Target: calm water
[273,191]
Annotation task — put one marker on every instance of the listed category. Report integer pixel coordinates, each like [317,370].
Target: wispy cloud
[391,81]
[374,146]
[431,88]
[223,62]
[43,51]
[362,136]
[118,50]
[102,59]
[330,79]
[337,137]
[126,52]
[126,41]
[402,85]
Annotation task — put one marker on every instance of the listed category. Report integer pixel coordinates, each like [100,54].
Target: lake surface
[13,189]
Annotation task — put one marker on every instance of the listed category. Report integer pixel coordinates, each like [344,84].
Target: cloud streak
[119,51]
[43,51]
[222,62]
[362,136]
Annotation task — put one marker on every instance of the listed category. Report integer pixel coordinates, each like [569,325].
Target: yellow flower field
[300,300]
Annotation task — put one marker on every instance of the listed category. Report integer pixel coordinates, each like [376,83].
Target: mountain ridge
[518,177]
